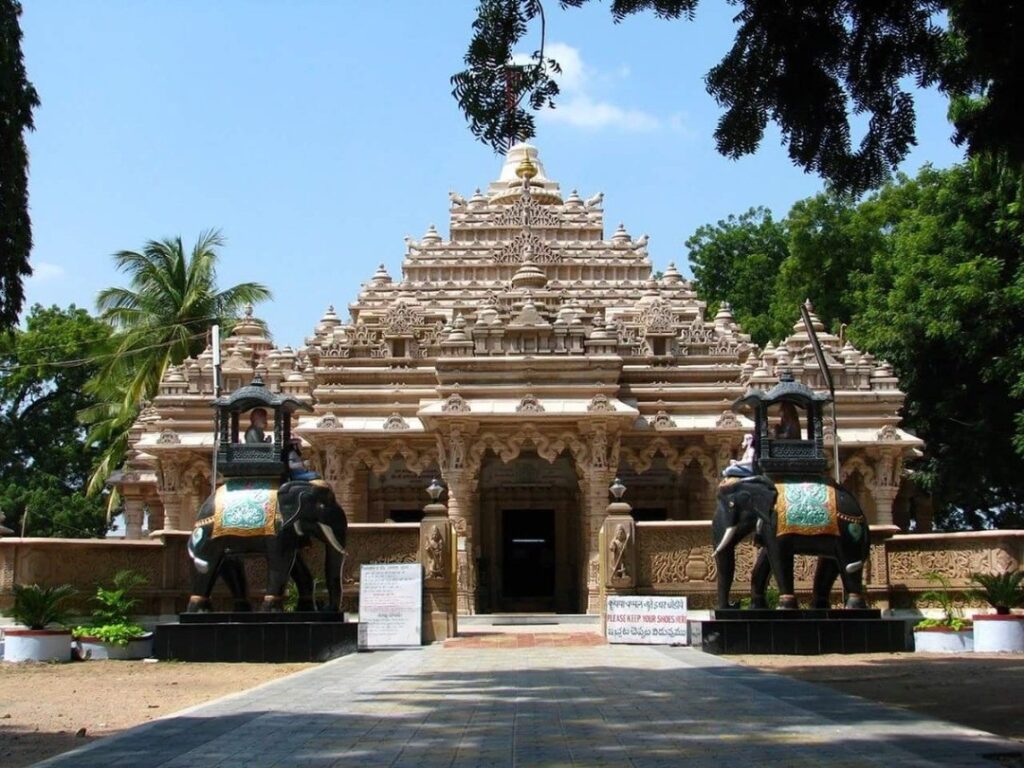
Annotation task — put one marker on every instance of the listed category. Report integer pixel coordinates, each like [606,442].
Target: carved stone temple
[527,359]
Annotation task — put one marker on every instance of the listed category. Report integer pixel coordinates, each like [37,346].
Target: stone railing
[86,563]
[955,556]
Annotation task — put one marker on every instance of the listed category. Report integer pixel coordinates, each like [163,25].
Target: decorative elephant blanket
[808,509]
[246,508]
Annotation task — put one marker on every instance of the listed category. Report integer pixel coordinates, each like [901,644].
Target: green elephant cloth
[808,509]
[246,508]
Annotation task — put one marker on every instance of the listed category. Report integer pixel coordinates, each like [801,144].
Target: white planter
[97,650]
[37,645]
[943,641]
[999,634]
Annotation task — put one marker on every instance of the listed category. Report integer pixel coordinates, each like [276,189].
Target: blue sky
[317,133]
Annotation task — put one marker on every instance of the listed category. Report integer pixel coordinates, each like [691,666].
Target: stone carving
[662,420]
[379,546]
[888,434]
[395,422]
[328,421]
[455,403]
[400,319]
[527,212]
[168,437]
[434,558]
[600,404]
[515,250]
[617,554]
[728,420]
[529,404]
[697,334]
[657,317]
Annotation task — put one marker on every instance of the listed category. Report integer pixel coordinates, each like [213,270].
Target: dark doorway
[528,555]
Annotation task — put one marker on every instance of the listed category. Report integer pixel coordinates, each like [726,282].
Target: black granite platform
[255,637]
[799,632]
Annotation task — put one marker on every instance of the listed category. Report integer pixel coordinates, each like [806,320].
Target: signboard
[390,605]
[648,620]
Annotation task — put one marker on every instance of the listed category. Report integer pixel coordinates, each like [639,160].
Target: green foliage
[941,594]
[115,605]
[35,606]
[928,274]
[17,101]
[808,67]
[1002,591]
[732,260]
[162,318]
[45,459]
[116,634]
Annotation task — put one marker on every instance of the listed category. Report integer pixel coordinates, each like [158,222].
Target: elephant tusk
[331,538]
[854,567]
[298,528]
[729,533]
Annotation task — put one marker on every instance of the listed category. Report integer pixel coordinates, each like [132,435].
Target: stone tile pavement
[542,704]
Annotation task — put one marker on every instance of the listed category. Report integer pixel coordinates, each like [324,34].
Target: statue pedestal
[256,637]
[799,632]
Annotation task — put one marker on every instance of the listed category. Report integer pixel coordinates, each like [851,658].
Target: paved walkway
[540,704]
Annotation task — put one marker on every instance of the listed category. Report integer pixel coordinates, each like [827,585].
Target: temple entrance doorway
[529,535]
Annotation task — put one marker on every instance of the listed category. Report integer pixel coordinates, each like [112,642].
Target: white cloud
[578,106]
[44,271]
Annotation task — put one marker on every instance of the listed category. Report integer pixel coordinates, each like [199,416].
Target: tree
[45,460]
[17,100]
[806,66]
[163,317]
[929,274]
[737,260]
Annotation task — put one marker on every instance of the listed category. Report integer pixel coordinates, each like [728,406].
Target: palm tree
[163,317]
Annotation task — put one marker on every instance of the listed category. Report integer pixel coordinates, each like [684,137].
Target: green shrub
[116,606]
[115,634]
[36,606]
[951,618]
[1002,591]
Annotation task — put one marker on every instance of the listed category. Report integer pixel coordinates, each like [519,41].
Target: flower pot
[995,633]
[943,640]
[37,645]
[97,650]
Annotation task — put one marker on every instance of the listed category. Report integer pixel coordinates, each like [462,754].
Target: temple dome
[508,186]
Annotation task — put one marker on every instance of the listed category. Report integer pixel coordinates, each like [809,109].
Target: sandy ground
[44,707]
[979,690]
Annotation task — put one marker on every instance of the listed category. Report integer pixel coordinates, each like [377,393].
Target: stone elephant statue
[255,517]
[787,518]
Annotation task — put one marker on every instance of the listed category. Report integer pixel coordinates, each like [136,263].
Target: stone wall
[85,563]
[675,558]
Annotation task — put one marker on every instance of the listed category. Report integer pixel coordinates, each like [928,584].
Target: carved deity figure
[617,551]
[435,554]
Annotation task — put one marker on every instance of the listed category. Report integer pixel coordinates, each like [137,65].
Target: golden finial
[526,169]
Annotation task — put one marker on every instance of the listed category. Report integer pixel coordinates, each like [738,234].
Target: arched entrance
[530,535]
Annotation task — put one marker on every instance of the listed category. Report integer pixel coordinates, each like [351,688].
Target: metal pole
[215,343]
[835,438]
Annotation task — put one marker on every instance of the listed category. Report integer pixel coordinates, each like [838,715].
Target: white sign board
[648,620]
[390,605]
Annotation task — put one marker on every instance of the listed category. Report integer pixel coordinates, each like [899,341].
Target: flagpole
[819,354]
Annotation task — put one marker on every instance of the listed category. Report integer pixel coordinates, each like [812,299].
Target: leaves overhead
[823,71]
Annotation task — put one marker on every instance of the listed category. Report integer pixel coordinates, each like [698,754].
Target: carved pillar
[618,537]
[462,510]
[437,553]
[887,484]
[169,486]
[134,510]
[603,460]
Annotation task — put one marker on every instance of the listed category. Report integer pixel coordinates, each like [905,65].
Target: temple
[526,360]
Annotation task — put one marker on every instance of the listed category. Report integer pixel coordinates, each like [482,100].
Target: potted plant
[36,608]
[951,633]
[1002,631]
[113,632]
